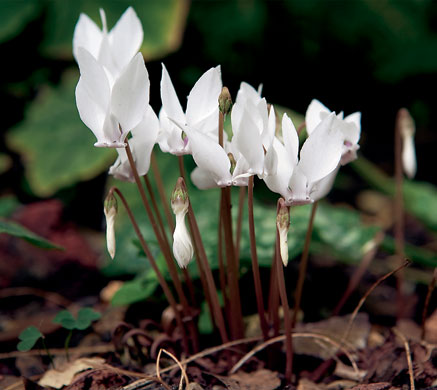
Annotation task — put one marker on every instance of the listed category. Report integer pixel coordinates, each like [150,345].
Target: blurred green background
[373,56]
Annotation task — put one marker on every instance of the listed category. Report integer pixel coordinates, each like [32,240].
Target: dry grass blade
[369,291]
[158,374]
[408,353]
[184,373]
[316,336]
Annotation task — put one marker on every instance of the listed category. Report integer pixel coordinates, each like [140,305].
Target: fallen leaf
[258,380]
[64,375]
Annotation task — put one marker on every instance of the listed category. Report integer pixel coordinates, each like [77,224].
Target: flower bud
[225,101]
[233,162]
[110,209]
[407,130]
[182,246]
[283,224]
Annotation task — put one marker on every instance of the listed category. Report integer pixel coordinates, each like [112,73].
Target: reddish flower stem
[241,198]
[255,266]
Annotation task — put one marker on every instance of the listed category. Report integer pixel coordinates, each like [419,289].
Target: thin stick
[241,197]
[359,272]
[161,191]
[183,372]
[408,353]
[286,309]
[316,336]
[158,374]
[303,264]
[255,266]
[399,211]
[431,287]
[368,292]
[167,292]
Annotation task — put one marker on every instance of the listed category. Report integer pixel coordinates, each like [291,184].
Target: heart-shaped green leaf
[85,317]
[65,319]
[28,337]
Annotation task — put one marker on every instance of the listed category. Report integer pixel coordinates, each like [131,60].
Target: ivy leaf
[55,146]
[28,337]
[14,229]
[136,290]
[85,317]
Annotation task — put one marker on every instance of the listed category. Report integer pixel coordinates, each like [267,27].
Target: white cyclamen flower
[296,178]
[350,127]
[182,246]
[111,111]
[201,113]
[114,49]
[141,143]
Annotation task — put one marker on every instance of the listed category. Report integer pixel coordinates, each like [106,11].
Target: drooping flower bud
[225,101]
[407,130]
[182,246]
[283,224]
[233,162]
[110,209]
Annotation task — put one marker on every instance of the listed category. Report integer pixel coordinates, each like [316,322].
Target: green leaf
[85,317]
[55,146]
[65,319]
[28,337]
[420,198]
[163,23]
[14,15]
[136,290]
[8,204]
[14,229]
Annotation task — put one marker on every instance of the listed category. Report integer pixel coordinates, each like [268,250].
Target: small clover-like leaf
[28,337]
[65,319]
[85,317]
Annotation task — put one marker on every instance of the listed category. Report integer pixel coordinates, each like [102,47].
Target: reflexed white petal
[112,135]
[202,179]
[107,60]
[170,101]
[324,186]
[90,112]
[291,139]
[269,134]
[409,156]
[312,116]
[247,92]
[130,94]
[248,141]
[321,152]
[121,169]
[143,139]
[354,118]
[210,156]
[299,187]
[94,79]
[203,98]
[126,37]
[86,35]
[270,161]
[351,131]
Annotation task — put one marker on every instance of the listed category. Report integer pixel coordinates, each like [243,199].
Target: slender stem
[286,309]
[218,315]
[303,264]
[222,268]
[431,287]
[67,343]
[161,241]
[359,272]
[47,352]
[241,198]
[166,289]
[161,191]
[399,213]
[237,328]
[274,296]
[220,128]
[255,266]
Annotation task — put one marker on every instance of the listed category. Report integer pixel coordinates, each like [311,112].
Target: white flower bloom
[350,127]
[111,111]
[182,246]
[296,178]
[143,139]
[114,49]
[201,113]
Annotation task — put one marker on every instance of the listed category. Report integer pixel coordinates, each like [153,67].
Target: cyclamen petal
[314,115]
